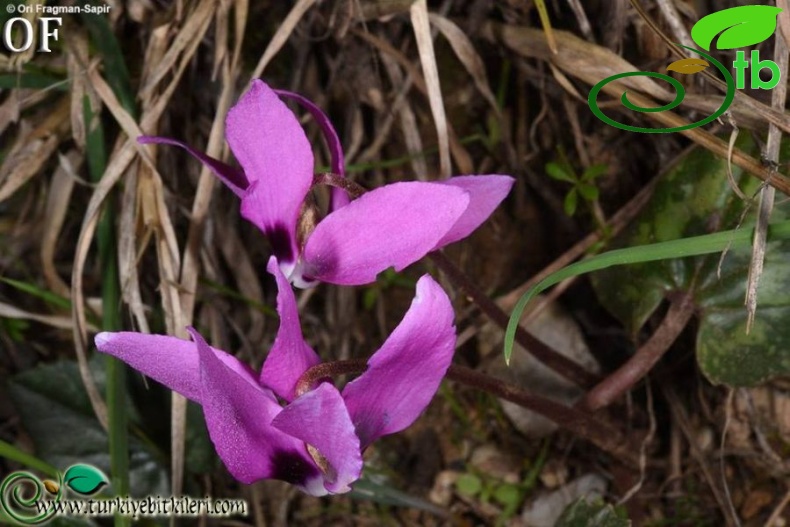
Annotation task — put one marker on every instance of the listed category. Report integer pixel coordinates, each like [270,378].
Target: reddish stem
[602,434]
[680,311]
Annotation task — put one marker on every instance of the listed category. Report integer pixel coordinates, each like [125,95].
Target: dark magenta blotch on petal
[292,467]
[280,240]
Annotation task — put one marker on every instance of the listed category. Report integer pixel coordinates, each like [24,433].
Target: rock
[557,329]
[547,508]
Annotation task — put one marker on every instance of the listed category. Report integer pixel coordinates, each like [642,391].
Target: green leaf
[739,27]
[33,290]
[508,495]
[560,173]
[469,484]
[571,200]
[588,192]
[690,197]
[596,514]
[738,239]
[11,452]
[366,489]
[33,81]
[85,479]
[689,201]
[595,171]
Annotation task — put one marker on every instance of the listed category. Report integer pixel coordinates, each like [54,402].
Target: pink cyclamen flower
[391,226]
[316,440]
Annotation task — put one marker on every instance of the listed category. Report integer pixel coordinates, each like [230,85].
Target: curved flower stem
[541,351]
[327,370]
[680,311]
[353,189]
[602,434]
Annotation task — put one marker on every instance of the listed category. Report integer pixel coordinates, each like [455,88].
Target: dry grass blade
[466,53]
[192,32]
[672,18]
[245,275]
[57,206]
[767,193]
[783,20]
[128,253]
[202,201]
[32,150]
[582,20]
[408,121]
[77,63]
[462,158]
[189,271]
[730,176]
[282,35]
[126,121]
[422,34]
[9,311]
[545,21]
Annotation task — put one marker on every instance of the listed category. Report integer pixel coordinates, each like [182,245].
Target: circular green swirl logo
[680,94]
[21,493]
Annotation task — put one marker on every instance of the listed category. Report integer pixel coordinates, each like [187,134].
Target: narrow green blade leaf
[694,246]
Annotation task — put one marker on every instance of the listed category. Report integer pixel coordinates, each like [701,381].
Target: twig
[622,380]
[767,193]
[777,513]
[604,435]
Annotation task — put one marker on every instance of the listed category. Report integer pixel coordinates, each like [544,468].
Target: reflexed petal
[276,157]
[392,226]
[233,177]
[290,355]
[170,361]
[403,376]
[485,194]
[338,164]
[320,419]
[239,420]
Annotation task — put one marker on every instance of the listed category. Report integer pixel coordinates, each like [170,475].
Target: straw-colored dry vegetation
[99,231]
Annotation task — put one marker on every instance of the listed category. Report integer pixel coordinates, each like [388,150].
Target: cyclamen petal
[320,419]
[290,355]
[485,195]
[233,178]
[239,418]
[170,361]
[403,376]
[274,152]
[338,164]
[392,226]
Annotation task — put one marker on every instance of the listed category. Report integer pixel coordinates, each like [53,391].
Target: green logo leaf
[739,27]
[85,479]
